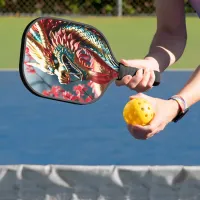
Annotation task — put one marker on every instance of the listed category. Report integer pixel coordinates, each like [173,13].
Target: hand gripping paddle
[68,61]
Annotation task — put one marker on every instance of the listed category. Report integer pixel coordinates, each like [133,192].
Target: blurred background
[40,131]
[81,7]
[129,25]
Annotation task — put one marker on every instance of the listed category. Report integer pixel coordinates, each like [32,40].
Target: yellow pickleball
[138,112]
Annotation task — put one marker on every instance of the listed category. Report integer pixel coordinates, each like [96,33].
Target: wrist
[153,63]
[175,107]
[163,57]
[182,107]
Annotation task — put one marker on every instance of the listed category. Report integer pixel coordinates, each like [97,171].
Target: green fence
[80,7]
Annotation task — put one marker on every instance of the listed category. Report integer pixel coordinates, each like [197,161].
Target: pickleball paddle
[68,61]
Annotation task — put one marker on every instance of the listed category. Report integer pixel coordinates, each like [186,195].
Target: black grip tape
[123,71]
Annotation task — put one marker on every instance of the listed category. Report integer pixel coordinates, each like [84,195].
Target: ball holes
[142,109]
[146,115]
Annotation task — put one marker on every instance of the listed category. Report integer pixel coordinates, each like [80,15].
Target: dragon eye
[51,69]
[69,66]
[55,60]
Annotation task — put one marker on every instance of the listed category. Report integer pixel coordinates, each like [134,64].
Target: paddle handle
[123,71]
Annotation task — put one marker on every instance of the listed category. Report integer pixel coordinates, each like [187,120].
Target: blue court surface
[34,130]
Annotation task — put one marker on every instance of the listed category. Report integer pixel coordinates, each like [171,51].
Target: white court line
[8,69]
[178,70]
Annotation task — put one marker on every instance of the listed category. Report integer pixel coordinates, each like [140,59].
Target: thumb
[134,63]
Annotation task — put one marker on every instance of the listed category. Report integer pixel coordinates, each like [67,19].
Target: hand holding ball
[138,111]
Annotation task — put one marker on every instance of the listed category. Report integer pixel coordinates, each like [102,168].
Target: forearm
[170,38]
[167,48]
[191,90]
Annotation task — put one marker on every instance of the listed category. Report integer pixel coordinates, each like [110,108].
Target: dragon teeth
[71,44]
[69,36]
[52,35]
[54,42]
[59,40]
[67,43]
[62,41]
[60,31]
[65,38]
[76,45]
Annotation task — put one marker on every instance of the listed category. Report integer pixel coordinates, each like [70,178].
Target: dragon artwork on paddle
[77,55]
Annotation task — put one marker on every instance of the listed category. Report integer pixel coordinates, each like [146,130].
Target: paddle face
[66,61]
